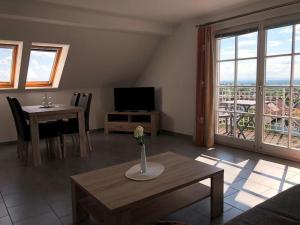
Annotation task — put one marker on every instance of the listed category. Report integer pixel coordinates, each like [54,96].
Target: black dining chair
[75,99]
[46,130]
[19,144]
[71,126]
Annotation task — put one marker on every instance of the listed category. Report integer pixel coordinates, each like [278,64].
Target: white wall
[102,102]
[172,69]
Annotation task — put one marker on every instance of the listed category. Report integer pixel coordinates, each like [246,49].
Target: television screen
[134,99]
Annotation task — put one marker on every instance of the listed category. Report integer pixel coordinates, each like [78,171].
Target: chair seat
[46,130]
[69,127]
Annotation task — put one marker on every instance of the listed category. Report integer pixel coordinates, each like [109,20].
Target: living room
[149,112]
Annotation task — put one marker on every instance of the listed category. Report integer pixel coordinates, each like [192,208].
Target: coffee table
[112,199]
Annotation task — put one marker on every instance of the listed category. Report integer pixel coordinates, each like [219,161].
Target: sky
[40,65]
[278,69]
[5,64]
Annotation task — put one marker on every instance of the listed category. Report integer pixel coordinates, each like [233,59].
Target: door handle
[260,89]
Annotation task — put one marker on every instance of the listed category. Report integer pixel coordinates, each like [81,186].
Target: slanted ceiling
[98,56]
[110,42]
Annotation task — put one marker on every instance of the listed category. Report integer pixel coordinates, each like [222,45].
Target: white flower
[138,132]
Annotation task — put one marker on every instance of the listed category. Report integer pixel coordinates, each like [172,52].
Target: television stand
[128,121]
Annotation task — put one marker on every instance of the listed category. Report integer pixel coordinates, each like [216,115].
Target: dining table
[37,114]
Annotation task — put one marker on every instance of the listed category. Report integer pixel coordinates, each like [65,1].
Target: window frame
[49,83]
[11,83]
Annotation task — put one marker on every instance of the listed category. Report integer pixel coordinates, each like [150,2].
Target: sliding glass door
[258,88]
[281,114]
[236,86]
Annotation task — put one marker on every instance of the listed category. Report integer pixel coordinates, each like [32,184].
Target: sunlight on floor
[248,199]
[207,159]
[251,181]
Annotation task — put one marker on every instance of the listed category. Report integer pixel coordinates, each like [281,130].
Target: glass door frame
[227,140]
[275,150]
[258,145]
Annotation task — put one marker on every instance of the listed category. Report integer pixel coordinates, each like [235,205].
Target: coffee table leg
[217,195]
[123,218]
[75,203]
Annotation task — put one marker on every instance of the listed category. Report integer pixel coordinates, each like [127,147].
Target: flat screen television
[134,99]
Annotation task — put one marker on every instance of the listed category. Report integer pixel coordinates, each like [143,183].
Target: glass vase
[143,159]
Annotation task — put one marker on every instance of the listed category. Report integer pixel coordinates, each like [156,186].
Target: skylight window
[45,65]
[9,63]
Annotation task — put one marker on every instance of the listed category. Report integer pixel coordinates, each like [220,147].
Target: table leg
[217,194]
[82,134]
[34,131]
[118,219]
[77,211]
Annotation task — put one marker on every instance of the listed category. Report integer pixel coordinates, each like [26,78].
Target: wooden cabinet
[128,121]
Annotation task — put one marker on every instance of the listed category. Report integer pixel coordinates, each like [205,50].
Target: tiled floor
[41,196]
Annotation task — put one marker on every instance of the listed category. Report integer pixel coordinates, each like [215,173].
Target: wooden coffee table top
[114,191]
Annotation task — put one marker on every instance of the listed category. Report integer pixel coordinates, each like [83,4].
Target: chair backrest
[19,117]
[85,102]
[13,111]
[75,99]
